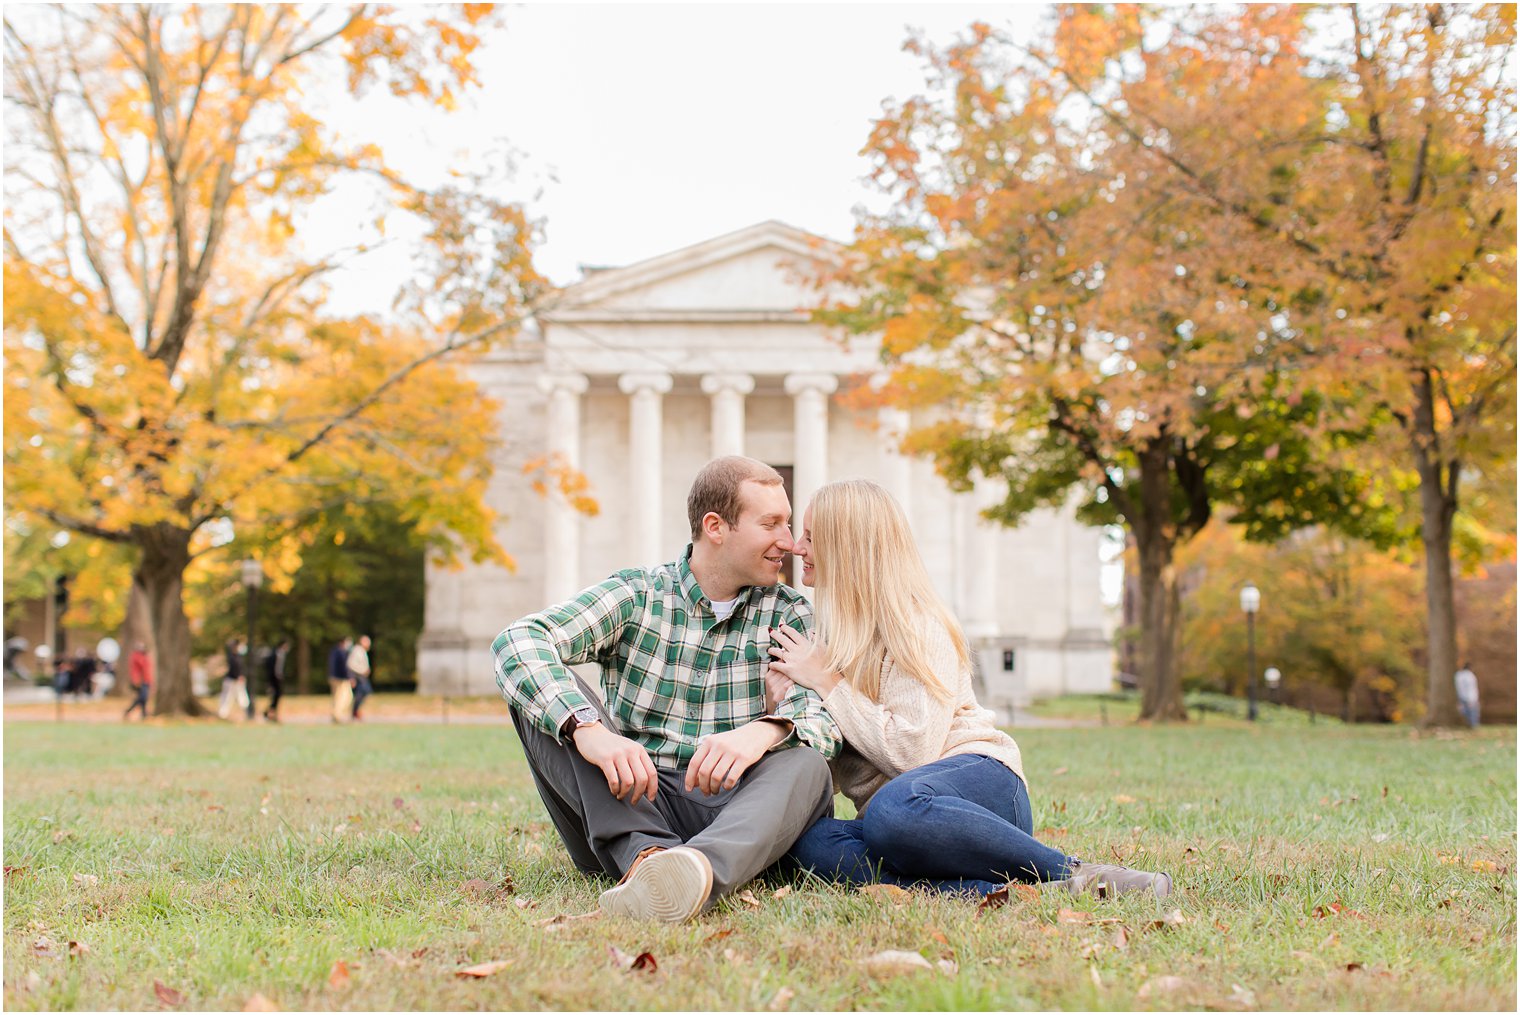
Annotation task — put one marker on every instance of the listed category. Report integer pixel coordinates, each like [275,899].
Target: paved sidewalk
[40,704]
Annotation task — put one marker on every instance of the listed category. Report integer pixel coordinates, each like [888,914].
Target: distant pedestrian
[140,673]
[337,681]
[234,690]
[358,672]
[82,675]
[1467,694]
[274,676]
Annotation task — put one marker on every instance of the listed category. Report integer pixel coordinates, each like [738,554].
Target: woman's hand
[801,661]
[777,687]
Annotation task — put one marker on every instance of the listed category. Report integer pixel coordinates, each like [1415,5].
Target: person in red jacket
[140,672]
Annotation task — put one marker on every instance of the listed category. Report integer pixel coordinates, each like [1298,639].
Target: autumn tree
[171,381]
[1336,612]
[1073,326]
[1357,162]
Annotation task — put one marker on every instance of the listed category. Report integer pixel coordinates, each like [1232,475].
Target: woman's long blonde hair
[872,590]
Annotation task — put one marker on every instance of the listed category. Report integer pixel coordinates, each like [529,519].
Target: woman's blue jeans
[960,825]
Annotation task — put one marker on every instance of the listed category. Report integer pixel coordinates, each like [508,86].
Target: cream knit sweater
[908,727]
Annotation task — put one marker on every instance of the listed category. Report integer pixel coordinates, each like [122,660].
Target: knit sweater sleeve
[908,726]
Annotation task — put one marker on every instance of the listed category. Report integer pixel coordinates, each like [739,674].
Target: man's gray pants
[741,831]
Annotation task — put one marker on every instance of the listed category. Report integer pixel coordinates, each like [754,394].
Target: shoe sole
[670,886]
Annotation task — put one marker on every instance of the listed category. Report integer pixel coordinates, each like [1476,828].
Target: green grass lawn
[1316,867]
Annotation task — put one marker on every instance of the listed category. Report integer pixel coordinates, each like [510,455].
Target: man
[337,680]
[140,673]
[1467,694]
[684,785]
[274,676]
[358,673]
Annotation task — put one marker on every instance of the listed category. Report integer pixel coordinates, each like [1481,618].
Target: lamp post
[1273,676]
[1250,602]
[253,577]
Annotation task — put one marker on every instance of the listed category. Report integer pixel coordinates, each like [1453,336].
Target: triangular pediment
[763,268]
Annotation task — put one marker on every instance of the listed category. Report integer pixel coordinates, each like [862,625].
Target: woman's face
[803,547]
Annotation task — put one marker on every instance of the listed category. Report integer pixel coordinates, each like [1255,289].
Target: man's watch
[583,717]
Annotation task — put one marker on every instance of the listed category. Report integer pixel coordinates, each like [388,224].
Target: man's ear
[714,527]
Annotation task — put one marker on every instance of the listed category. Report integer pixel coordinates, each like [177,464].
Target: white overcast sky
[643,128]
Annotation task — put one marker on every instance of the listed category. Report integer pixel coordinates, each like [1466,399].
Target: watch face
[585,715]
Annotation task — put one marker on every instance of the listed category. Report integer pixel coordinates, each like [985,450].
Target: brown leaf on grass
[481,890]
[1060,771]
[1073,916]
[1165,985]
[781,1000]
[948,967]
[735,958]
[1120,940]
[938,935]
[167,995]
[259,1002]
[418,953]
[483,969]
[887,893]
[718,935]
[524,903]
[78,949]
[416,826]
[86,879]
[992,900]
[748,898]
[895,963]
[1171,918]
[9,870]
[1052,833]
[43,948]
[645,961]
[563,920]
[1352,967]
[1124,798]
[398,803]
[215,807]
[782,892]
[338,978]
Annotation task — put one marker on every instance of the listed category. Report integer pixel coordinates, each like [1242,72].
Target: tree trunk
[160,579]
[1160,684]
[1438,505]
[303,663]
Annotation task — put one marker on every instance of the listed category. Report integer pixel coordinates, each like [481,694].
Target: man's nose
[785,543]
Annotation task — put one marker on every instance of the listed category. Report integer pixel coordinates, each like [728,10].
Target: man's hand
[722,758]
[630,774]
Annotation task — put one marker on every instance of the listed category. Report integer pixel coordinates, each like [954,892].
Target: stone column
[646,466]
[562,577]
[981,560]
[727,392]
[811,432]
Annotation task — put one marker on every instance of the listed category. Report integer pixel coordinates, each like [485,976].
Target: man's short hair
[716,488]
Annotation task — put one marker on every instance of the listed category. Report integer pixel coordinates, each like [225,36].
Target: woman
[939,788]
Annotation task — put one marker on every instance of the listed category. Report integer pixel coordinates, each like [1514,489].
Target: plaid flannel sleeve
[532,654]
[811,722]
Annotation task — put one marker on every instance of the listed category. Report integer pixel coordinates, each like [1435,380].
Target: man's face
[754,550]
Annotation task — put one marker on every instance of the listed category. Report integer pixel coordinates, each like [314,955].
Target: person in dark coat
[338,682]
[274,676]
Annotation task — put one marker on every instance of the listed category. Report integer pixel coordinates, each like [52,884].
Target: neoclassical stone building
[640,374]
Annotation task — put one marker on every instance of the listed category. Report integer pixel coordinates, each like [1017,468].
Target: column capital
[573,383]
[823,384]
[656,381]
[742,384]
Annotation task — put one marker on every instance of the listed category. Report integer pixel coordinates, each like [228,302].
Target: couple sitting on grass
[707,763]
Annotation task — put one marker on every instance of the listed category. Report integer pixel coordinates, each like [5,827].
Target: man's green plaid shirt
[671,671]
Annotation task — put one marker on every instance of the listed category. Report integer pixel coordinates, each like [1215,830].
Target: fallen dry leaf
[78,949]
[895,963]
[938,935]
[993,900]
[1164,985]
[890,893]
[43,948]
[1073,916]
[948,967]
[734,958]
[416,826]
[259,1002]
[1120,940]
[563,920]
[215,807]
[645,961]
[398,803]
[524,903]
[1124,798]
[1171,918]
[86,879]
[1240,999]
[1060,771]
[782,892]
[338,978]
[9,870]
[748,898]
[168,995]
[781,1000]
[481,970]
[718,935]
